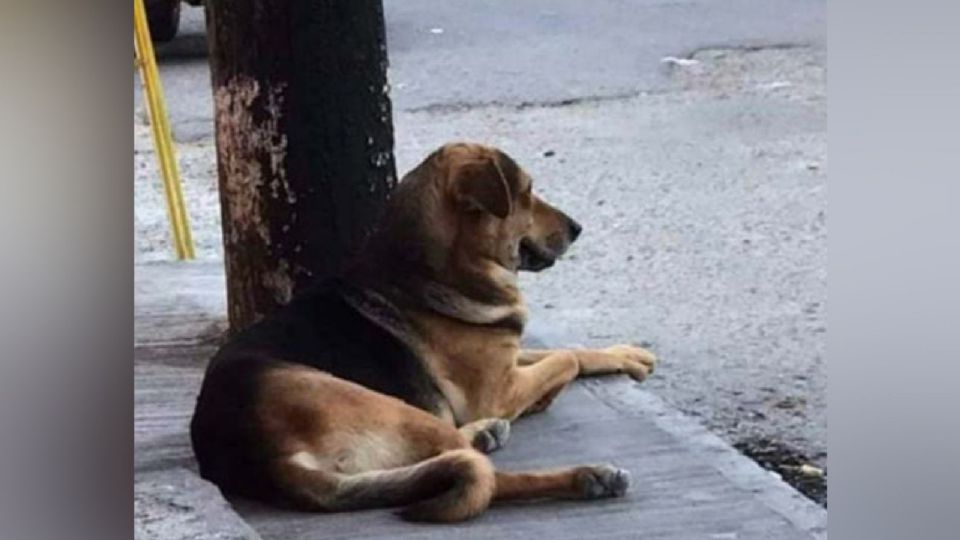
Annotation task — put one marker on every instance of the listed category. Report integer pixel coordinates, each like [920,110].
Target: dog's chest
[470,366]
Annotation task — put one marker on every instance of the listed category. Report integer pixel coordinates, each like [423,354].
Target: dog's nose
[575,229]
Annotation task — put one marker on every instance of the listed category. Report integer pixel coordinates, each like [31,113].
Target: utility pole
[304,140]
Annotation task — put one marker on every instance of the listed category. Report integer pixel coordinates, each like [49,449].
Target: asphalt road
[701,187]
[449,54]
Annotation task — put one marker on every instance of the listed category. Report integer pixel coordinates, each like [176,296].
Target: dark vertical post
[304,140]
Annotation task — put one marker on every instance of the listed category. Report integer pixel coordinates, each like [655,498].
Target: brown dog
[383,387]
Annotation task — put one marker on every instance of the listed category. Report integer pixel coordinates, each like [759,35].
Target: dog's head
[489,201]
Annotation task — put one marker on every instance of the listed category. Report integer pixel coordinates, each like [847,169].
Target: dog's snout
[575,230]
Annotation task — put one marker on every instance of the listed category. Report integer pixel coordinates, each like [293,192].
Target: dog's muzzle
[534,258]
[539,255]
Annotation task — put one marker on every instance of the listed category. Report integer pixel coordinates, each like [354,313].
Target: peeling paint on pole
[251,152]
[304,141]
[242,146]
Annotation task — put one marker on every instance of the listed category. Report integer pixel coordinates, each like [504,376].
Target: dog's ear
[481,184]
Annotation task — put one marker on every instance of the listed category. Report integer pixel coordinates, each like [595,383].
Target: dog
[387,385]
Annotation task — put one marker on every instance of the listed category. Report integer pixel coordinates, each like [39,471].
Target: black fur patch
[320,329]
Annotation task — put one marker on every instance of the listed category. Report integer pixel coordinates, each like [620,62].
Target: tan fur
[460,217]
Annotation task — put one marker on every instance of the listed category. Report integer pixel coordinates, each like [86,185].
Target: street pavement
[459,54]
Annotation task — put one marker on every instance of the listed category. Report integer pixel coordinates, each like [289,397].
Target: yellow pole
[145,60]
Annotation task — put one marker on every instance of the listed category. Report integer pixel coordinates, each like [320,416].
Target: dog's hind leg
[452,486]
[335,445]
[583,482]
[339,446]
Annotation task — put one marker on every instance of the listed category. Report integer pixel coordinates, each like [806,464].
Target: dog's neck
[481,299]
[478,294]
[457,304]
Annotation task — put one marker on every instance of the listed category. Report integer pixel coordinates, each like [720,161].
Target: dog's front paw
[491,435]
[638,362]
[600,481]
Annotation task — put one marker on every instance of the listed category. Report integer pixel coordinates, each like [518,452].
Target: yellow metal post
[179,221]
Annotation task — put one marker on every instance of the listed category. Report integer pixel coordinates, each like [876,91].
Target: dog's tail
[452,486]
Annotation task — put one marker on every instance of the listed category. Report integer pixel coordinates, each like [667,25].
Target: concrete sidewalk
[687,483]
